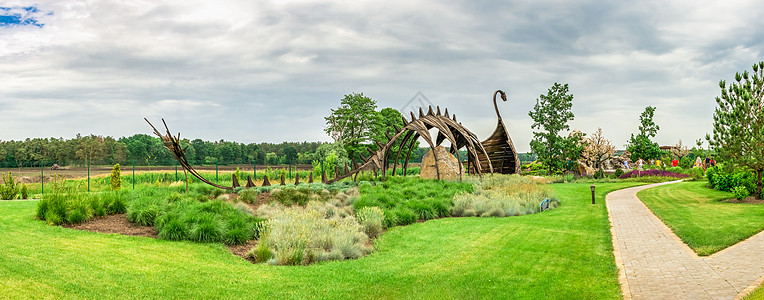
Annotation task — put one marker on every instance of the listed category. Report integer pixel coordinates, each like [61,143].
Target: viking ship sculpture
[501,151]
[499,145]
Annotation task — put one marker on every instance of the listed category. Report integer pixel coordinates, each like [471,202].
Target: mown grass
[757,294]
[565,253]
[696,215]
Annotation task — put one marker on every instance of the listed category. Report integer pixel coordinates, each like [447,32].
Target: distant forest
[143,149]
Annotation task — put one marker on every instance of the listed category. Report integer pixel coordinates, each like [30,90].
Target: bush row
[68,206]
[405,200]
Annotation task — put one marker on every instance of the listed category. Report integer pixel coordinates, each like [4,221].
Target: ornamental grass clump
[371,219]
[319,231]
[501,196]
[206,222]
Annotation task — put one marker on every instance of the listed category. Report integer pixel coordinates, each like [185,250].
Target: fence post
[216,172]
[176,170]
[290,169]
[254,168]
[42,181]
[88,160]
[133,174]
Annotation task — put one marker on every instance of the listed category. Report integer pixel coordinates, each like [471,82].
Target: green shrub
[115,178]
[53,218]
[24,192]
[115,203]
[77,215]
[740,192]
[618,172]
[97,204]
[143,211]
[173,228]
[686,162]
[9,188]
[405,216]
[237,231]
[207,228]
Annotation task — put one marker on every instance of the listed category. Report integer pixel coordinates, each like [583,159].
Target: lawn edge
[750,288]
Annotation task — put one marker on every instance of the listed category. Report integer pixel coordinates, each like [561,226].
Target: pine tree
[738,132]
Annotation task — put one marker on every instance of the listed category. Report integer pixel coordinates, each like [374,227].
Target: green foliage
[686,162]
[410,199]
[641,145]
[550,116]
[618,172]
[9,188]
[740,192]
[24,191]
[351,124]
[721,180]
[144,210]
[206,228]
[738,132]
[115,179]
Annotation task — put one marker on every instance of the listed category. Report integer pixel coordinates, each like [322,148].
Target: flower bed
[652,172]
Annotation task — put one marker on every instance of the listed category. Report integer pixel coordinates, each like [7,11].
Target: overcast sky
[269,71]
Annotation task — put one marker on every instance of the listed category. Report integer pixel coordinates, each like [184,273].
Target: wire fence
[96,175]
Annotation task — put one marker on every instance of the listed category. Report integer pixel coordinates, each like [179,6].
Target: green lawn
[758,294]
[564,253]
[696,215]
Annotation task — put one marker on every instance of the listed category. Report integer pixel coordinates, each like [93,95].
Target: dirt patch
[749,200]
[119,224]
[242,250]
[115,224]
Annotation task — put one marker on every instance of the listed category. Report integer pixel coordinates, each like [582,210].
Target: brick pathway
[654,263]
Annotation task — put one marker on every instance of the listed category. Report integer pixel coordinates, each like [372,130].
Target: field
[32,175]
[563,253]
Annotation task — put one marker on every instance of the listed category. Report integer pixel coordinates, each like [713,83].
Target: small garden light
[592,187]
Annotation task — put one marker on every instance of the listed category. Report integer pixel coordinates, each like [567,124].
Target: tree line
[144,149]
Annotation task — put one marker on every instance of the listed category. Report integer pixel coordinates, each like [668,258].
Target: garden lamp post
[592,187]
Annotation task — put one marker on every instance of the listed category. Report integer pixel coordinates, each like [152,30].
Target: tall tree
[738,130]
[641,145]
[389,118]
[351,123]
[550,116]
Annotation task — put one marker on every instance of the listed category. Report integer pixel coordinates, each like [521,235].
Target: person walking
[639,163]
[675,162]
[707,164]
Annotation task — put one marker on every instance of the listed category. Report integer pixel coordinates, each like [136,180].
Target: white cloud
[277,67]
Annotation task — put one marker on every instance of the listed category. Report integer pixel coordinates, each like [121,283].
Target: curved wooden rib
[173,144]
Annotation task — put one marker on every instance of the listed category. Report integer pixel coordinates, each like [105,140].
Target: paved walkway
[654,263]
